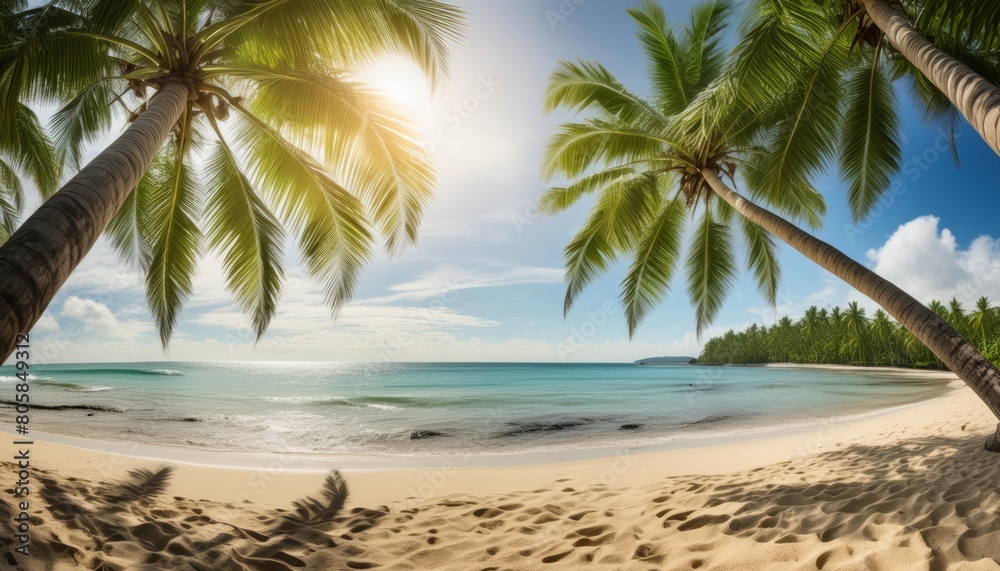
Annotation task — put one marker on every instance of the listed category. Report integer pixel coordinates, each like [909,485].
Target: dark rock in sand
[630,427]
[421,434]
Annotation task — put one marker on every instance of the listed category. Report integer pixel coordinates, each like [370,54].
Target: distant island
[667,361]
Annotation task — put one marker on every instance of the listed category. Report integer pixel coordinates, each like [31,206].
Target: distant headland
[667,361]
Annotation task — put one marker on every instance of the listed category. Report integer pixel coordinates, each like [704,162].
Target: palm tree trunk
[940,337]
[976,98]
[44,251]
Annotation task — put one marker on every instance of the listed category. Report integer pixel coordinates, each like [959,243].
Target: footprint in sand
[647,552]
[556,557]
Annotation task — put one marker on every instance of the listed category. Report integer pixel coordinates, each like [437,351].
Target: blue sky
[485,281]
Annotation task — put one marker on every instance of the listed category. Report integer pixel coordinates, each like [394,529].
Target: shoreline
[899,490]
[686,436]
[275,479]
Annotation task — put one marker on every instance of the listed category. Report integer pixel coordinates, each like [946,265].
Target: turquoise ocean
[440,408]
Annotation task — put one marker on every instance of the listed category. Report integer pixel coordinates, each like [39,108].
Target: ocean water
[439,408]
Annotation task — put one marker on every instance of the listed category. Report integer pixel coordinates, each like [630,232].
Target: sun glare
[403,81]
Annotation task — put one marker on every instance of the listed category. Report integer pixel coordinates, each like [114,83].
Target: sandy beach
[908,489]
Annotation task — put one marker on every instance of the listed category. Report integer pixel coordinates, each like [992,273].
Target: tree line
[849,336]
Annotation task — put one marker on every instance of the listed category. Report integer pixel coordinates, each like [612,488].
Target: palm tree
[958,318]
[655,161]
[258,97]
[972,94]
[982,320]
[857,325]
[836,93]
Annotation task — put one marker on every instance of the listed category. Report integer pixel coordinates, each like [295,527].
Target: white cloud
[449,278]
[100,271]
[46,324]
[97,319]
[305,317]
[930,264]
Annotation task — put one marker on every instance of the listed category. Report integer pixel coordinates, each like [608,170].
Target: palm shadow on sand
[936,495]
[124,525]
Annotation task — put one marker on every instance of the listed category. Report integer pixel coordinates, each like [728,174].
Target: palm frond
[11,201]
[711,269]
[615,223]
[656,258]
[28,149]
[762,259]
[341,32]
[83,119]
[664,56]
[557,199]
[44,58]
[870,154]
[366,140]
[955,23]
[334,238]
[793,30]
[577,147]
[801,135]
[133,231]
[705,57]
[177,238]
[588,256]
[587,85]
[243,230]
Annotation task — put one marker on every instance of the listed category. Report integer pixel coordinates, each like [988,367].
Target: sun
[402,81]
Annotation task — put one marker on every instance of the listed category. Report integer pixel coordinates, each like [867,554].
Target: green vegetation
[246,126]
[849,337]
[795,96]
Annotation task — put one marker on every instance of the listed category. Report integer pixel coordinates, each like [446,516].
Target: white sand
[910,489]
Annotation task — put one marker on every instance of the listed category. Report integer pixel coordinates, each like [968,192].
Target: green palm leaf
[711,268]
[656,258]
[961,22]
[802,132]
[133,230]
[364,138]
[557,199]
[664,56]
[83,119]
[11,201]
[870,154]
[176,239]
[331,222]
[705,57]
[583,85]
[243,230]
[762,259]
[270,32]
[614,225]
[577,147]
[29,150]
